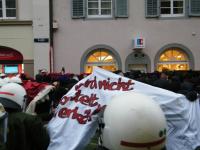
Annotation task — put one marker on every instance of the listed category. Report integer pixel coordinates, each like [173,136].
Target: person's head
[133,121]
[2,75]
[44,72]
[63,70]
[75,77]
[13,97]
[163,75]
[191,96]
[119,72]
[197,148]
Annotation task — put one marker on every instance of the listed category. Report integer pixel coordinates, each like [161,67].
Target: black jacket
[26,132]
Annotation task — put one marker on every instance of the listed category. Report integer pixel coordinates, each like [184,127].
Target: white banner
[76,118]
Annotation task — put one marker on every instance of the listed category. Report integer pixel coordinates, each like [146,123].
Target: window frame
[5,8]
[100,55]
[172,9]
[99,10]
[172,54]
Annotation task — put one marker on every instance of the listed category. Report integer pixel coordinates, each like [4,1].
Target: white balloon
[2,82]
[134,121]
[15,80]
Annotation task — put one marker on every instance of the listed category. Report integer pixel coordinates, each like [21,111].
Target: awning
[10,56]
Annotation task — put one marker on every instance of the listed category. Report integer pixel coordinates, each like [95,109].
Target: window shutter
[78,8]
[152,8]
[121,8]
[194,7]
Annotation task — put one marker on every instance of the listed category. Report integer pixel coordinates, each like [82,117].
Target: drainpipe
[51,51]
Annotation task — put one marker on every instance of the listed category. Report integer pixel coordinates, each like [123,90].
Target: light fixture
[179,56]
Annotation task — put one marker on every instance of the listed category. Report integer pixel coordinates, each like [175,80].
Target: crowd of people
[183,82]
[27,131]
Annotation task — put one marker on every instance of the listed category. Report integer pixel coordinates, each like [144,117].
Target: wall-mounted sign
[139,42]
[41,40]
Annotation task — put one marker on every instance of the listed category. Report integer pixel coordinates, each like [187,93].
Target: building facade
[24,36]
[126,35]
[16,48]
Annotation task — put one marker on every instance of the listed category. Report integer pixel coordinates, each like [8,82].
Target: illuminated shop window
[173,59]
[11,69]
[101,58]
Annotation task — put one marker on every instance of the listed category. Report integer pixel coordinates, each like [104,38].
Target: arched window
[173,59]
[102,58]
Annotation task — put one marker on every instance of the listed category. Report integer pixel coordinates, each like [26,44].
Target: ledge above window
[15,22]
